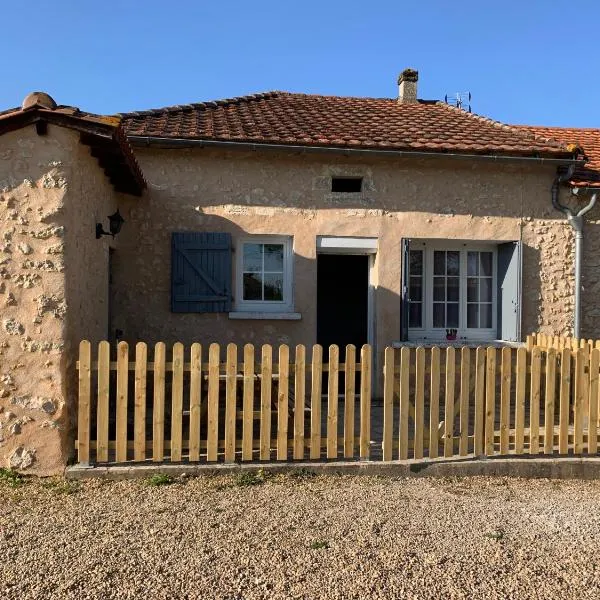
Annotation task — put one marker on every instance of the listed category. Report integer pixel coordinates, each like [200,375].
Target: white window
[452,291]
[264,274]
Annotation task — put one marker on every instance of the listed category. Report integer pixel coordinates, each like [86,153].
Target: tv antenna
[460,100]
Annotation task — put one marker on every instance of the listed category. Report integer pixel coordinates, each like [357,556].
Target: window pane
[439,288]
[485,289]
[452,317]
[414,315]
[453,263]
[253,257]
[486,263]
[273,286]
[486,315]
[438,314]
[439,262]
[416,289]
[252,286]
[452,285]
[473,263]
[472,289]
[273,257]
[416,262]
[472,315]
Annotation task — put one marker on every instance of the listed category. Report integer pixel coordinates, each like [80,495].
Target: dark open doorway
[342,300]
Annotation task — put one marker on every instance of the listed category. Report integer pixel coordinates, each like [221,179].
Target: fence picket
[419,402]
[315,401]
[212,436]
[449,402]
[404,402]
[230,401]
[332,401]
[299,401]
[579,408]
[593,402]
[283,391]
[388,401]
[122,395]
[465,384]
[490,400]
[349,400]
[85,399]
[534,401]
[177,403]
[505,383]
[565,390]
[365,401]
[434,403]
[266,384]
[158,414]
[248,403]
[479,426]
[195,400]
[103,402]
[549,399]
[139,428]
[520,393]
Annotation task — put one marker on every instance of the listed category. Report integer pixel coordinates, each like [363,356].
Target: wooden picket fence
[490,401]
[221,410]
[560,342]
[452,402]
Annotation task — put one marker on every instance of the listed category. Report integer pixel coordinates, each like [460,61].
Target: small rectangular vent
[346,184]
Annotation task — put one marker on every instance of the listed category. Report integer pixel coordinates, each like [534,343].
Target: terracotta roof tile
[301,119]
[587,139]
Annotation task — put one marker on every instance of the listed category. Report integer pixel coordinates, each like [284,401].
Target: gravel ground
[301,537]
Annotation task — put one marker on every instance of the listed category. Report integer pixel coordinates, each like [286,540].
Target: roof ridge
[500,124]
[558,127]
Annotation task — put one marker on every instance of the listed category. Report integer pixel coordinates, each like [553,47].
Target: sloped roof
[587,139]
[345,122]
[104,135]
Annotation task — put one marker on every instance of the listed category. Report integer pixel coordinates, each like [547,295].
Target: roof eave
[167,142]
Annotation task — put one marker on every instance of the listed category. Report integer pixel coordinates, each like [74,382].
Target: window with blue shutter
[201,272]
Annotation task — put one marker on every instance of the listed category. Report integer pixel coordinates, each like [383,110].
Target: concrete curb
[534,467]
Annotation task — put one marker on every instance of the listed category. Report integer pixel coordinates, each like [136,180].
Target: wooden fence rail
[244,404]
[246,408]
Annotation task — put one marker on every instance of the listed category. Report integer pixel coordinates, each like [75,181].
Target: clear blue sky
[525,61]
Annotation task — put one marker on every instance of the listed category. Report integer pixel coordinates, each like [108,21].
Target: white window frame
[427,331]
[261,306]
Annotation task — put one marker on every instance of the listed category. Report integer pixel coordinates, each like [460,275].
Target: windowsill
[429,343]
[265,316]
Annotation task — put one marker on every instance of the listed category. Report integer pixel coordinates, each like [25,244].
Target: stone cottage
[274,218]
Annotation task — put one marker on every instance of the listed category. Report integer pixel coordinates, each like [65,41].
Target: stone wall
[261,193]
[52,271]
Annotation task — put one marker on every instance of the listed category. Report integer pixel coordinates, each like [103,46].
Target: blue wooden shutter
[201,272]
[509,291]
[405,300]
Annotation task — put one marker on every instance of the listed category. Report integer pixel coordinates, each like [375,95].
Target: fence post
[282,402]
[158,416]
[549,401]
[122,395]
[248,403]
[419,402]
[266,372]
[195,400]
[349,400]
[434,403]
[581,390]
[103,401]
[315,401]
[505,383]
[230,402]
[332,401]
[139,430]
[85,396]
[490,400]
[388,402]
[449,402]
[299,401]
[212,436]
[520,393]
[534,401]
[365,401]
[465,383]
[593,402]
[565,390]
[404,402]
[177,403]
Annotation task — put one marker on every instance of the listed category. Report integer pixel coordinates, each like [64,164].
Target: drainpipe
[576,221]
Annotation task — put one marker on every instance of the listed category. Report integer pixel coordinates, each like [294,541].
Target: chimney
[407,86]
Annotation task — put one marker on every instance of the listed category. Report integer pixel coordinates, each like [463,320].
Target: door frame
[327,244]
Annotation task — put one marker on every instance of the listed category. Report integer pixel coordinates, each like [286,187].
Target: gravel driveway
[301,537]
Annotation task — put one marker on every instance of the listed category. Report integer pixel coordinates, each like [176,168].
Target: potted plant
[451,334]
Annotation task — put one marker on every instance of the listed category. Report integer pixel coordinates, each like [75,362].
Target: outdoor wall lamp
[115,222]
